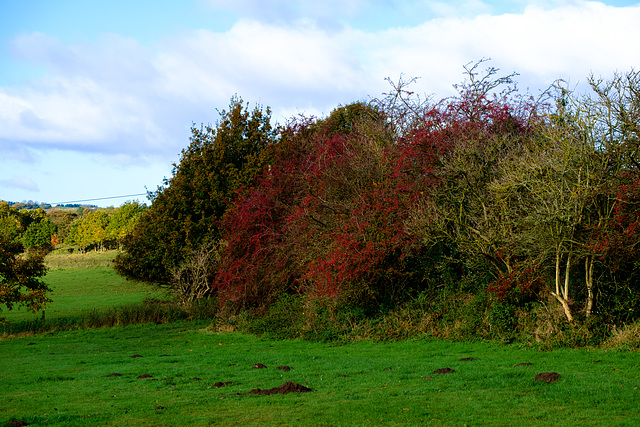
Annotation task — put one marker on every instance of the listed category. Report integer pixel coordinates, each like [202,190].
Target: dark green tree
[38,235]
[186,209]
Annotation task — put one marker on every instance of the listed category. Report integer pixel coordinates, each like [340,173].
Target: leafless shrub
[192,280]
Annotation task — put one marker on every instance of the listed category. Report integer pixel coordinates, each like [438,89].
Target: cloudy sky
[97,97]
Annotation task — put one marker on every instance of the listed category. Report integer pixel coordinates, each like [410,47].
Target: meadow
[190,373]
[82,284]
[84,290]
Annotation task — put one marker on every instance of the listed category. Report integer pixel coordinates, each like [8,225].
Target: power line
[99,198]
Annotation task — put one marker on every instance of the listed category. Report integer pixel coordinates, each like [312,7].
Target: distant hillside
[42,205]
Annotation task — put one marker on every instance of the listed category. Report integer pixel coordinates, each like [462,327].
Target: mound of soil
[115,374]
[288,387]
[158,408]
[284,368]
[221,384]
[524,364]
[195,379]
[17,423]
[547,377]
[164,355]
[444,371]
[258,366]
[144,376]
[135,355]
[467,359]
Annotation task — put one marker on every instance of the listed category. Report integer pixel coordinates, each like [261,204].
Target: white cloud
[21,183]
[287,64]
[128,101]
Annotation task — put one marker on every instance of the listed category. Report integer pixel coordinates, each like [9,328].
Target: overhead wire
[98,198]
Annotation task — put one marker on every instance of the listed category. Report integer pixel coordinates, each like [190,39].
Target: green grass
[61,379]
[82,285]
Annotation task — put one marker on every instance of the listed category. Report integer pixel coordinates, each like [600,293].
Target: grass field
[64,378]
[81,284]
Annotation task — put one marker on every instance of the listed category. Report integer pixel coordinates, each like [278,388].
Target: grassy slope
[81,283]
[62,378]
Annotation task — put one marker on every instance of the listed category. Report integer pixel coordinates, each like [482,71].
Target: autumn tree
[90,231]
[327,218]
[477,133]
[62,220]
[611,121]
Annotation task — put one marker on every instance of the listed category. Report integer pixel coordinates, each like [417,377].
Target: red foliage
[524,282]
[617,243]
[328,216]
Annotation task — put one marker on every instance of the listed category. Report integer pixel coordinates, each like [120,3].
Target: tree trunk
[588,268]
[563,295]
[565,306]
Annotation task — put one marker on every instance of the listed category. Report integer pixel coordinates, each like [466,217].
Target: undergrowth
[456,317]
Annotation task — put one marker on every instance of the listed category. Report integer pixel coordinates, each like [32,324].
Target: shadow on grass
[151,310]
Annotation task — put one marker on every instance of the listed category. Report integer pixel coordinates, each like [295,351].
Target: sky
[97,98]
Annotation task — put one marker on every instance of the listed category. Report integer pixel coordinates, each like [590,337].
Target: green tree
[123,221]
[20,273]
[186,210]
[11,223]
[38,234]
[91,230]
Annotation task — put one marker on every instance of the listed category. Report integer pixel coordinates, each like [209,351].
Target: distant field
[65,379]
[82,283]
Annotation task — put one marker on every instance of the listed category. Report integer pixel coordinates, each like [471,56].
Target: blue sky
[97,97]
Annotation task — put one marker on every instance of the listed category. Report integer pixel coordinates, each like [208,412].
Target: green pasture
[82,284]
[63,379]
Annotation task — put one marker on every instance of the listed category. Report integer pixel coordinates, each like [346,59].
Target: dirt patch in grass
[547,377]
[288,387]
[259,366]
[444,371]
[221,384]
